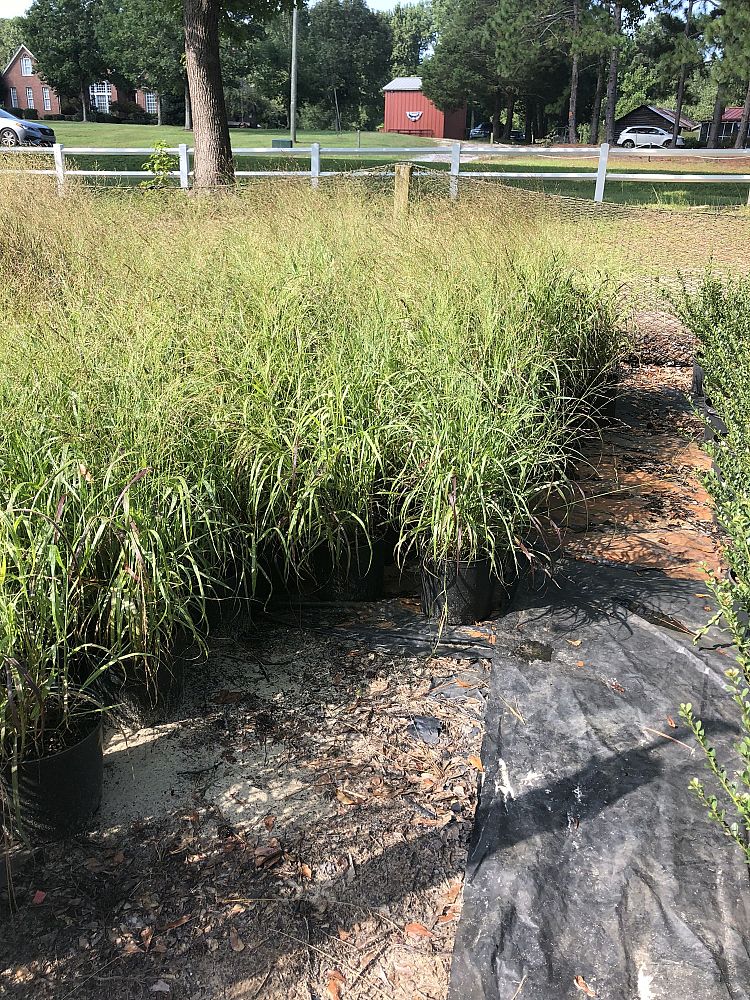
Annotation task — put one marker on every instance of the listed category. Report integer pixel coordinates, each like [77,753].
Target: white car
[646,135]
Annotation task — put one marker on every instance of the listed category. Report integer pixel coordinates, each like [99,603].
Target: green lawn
[96,134]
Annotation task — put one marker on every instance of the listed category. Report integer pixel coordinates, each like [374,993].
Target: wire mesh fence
[655,253]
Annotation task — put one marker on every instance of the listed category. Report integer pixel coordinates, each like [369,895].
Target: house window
[29,97]
[101,96]
[151,103]
[13,97]
[46,100]
[26,68]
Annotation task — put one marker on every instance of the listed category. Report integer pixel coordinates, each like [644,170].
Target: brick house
[22,87]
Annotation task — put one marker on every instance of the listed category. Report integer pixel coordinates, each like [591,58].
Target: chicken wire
[655,253]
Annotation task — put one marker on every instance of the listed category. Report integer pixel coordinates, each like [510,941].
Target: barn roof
[685,122]
[405,83]
[664,113]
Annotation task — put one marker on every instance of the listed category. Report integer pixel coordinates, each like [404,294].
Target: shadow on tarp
[590,857]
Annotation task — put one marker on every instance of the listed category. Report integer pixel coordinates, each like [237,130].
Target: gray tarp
[590,857]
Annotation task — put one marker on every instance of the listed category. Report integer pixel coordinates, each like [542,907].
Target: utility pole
[293,78]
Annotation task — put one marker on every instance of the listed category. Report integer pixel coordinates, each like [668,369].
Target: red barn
[407,110]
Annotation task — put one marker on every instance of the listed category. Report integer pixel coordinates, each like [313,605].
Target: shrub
[719,315]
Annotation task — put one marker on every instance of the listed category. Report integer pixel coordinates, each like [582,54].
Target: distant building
[21,87]
[408,111]
[652,117]
[730,126]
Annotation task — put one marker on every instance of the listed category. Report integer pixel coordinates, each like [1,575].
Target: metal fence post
[184,158]
[315,164]
[455,169]
[601,173]
[58,154]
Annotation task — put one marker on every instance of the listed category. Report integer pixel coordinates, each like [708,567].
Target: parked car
[646,135]
[481,131]
[14,132]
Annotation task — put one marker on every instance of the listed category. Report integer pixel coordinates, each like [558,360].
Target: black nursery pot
[714,428]
[59,794]
[457,592]
[359,579]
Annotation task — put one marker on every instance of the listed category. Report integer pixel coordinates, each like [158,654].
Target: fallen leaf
[616,686]
[335,984]
[450,914]
[159,947]
[268,822]
[580,663]
[160,987]
[476,763]
[348,800]
[268,854]
[235,941]
[343,935]
[38,898]
[146,935]
[419,930]
[583,986]
[574,642]
[305,871]
[225,697]
[453,893]
[671,723]
[173,924]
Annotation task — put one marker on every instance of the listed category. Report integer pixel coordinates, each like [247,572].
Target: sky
[11,8]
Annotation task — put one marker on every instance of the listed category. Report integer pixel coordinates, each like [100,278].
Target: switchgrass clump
[202,398]
[719,315]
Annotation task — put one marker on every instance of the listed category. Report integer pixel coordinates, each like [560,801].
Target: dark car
[14,132]
[481,131]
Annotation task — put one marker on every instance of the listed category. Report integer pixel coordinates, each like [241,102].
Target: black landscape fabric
[593,870]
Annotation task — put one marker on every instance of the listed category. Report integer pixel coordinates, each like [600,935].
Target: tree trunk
[681,79]
[741,141]
[596,114]
[159,112]
[188,109]
[713,133]
[528,123]
[614,60]
[84,113]
[510,108]
[213,151]
[572,107]
[496,117]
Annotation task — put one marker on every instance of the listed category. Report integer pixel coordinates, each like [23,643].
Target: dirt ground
[297,826]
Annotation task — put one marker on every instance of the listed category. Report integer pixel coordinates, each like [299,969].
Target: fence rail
[456,150]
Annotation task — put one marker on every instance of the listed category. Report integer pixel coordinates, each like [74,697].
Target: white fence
[455,152]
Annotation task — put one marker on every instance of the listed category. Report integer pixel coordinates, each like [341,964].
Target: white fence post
[315,164]
[455,169]
[58,154]
[184,157]
[601,173]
